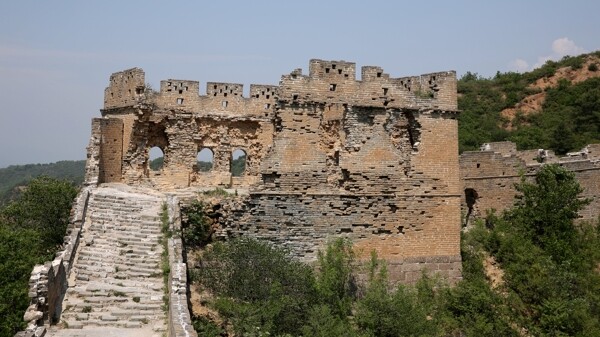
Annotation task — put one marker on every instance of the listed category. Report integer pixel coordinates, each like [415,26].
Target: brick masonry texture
[489,176]
[374,160]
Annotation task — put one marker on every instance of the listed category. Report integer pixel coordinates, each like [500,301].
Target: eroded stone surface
[489,176]
[374,160]
[117,277]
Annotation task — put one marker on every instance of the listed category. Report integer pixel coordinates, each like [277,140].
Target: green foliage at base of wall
[550,286]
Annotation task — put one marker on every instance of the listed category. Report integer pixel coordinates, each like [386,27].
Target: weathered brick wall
[374,160]
[125,88]
[409,232]
[588,175]
[493,172]
[111,150]
[92,164]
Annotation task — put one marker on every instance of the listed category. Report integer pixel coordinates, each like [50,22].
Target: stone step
[103,322]
[118,279]
[90,312]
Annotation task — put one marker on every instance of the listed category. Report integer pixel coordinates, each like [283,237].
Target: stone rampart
[489,176]
[327,155]
[179,319]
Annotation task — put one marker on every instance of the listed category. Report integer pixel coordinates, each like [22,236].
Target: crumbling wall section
[125,89]
[92,164]
[411,233]
[374,160]
[489,176]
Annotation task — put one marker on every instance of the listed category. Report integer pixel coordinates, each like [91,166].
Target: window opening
[205,159]
[238,163]
[471,197]
[155,158]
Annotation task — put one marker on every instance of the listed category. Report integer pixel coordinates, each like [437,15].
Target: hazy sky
[56,56]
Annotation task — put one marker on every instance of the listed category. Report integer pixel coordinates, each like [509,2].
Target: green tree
[44,206]
[545,210]
[31,228]
[335,280]
[402,312]
[549,272]
[258,286]
[18,248]
[196,226]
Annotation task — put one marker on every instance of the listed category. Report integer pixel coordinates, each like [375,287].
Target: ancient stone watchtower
[327,155]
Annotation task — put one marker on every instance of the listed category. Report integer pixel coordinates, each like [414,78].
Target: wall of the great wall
[489,176]
[374,160]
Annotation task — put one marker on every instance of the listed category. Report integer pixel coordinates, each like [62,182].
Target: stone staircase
[116,282]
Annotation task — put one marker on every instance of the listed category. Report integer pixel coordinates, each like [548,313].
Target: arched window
[155,158]
[205,159]
[238,163]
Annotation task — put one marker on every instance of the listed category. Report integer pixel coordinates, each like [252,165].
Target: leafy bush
[545,210]
[196,226]
[335,282]
[323,322]
[44,206]
[31,228]
[205,327]
[258,285]
[549,271]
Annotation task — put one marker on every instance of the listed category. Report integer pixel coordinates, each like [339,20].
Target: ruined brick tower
[327,155]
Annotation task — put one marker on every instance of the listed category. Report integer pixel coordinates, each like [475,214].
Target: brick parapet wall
[179,318]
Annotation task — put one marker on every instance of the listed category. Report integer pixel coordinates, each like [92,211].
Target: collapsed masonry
[374,160]
[489,176]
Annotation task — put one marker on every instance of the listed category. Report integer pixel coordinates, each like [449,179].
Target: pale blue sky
[56,56]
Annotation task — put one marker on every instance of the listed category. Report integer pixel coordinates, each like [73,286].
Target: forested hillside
[14,177]
[556,106]
[32,227]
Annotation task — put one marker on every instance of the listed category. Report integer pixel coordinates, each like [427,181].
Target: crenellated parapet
[335,82]
[373,159]
[327,82]
[125,89]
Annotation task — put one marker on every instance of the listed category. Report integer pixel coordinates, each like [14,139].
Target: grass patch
[217,192]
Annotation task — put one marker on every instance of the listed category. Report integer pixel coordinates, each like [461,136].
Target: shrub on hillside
[31,228]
